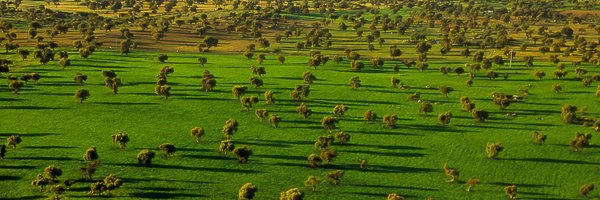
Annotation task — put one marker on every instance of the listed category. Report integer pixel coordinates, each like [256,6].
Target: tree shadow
[208,157]
[393,154]
[164,195]
[283,157]
[9,178]
[379,195]
[395,187]
[49,147]
[12,99]
[18,167]
[385,133]
[209,169]
[28,134]
[144,180]
[552,160]
[26,197]
[522,185]
[125,103]
[43,158]
[31,107]
[386,147]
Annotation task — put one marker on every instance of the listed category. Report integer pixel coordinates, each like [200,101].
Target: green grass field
[408,160]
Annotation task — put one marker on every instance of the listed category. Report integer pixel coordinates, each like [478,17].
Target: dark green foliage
[145,157]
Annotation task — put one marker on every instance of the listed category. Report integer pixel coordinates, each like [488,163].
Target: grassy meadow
[57,129]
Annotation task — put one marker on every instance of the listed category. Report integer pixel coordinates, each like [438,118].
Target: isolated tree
[122,138]
[493,149]
[15,85]
[197,133]
[444,118]
[53,172]
[445,90]
[202,60]
[248,102]
[339,110]
[414,96]
[314,160]
[369,116]
[238,91]
[64,62]
[269,97]
[211,42]
[242,153]
[89,169]
[311,182]
[274,120]
[230,127]
[247,191]
[471,182]
[426,107]
[328,155]
[390,120]
[451,172]
[334,177]
[343,138]
[225,146]
[355,82]
[256,82]
[82,95]
[163,58]
[41,182]
[479,115]
[2,151]
[511,191]
[394,196]
[556,88]
[568,114]
[329,123]
[308,77]
[23,53]
[584,190]
[168,148]
[357,66]
[145,157]
[281,59]
[259,71]
[291,194]
[262,114]
[539,74]
[13,140]
[538,138]
[304,111]
[90,154]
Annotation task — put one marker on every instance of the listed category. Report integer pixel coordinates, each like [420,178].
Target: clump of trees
[479,115]
[304,111]
[291,194]
[580,141]
[394,196]
[248,102]
[225,146]
[261,114]
[238,91]
[274,120]
[355,82]
[444,118]
[108,184]
[343,138]
[471,182]
[300,92]
[80,78]
[314,160]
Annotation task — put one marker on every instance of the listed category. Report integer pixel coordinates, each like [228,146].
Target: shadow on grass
[49,147]
[28,134]
[164,195]
[378,195]
[125,103]
[209,157]
[387,147]
[27,197]
[522,185]
[43,158]
[393,154]
[18,167]
[283,157]
[31,107]
[209,169]
[9,178]
[143,180]
[369,168]
[552,160]
[394,187]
